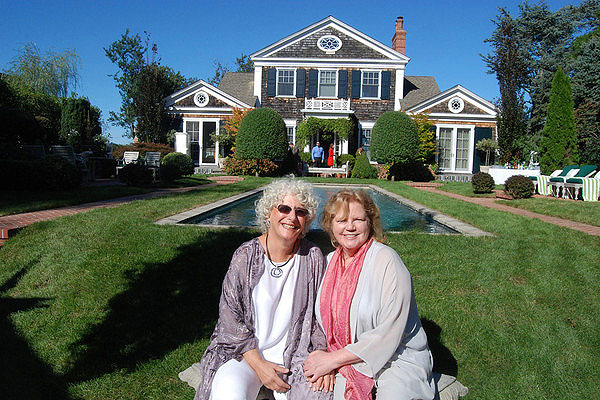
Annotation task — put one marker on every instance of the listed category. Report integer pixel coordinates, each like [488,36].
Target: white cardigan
[385,327]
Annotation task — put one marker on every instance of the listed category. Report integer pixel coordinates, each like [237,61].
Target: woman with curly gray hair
[267,326]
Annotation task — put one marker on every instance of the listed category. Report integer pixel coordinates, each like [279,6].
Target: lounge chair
[540,182]
[153,162]
[68,154]
[128,158]
[588,186]
[558,181]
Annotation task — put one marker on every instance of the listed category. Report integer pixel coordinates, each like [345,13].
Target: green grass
[581,211]
[15,202]
[466,189]
[107,305]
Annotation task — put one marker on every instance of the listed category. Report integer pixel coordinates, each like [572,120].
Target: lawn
[15,202]
[107,305]
[466,189]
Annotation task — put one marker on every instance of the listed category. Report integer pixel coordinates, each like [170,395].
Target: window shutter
[300,82]
[386,77]
[313,78]
[356,84]
[271,81]
[342,84]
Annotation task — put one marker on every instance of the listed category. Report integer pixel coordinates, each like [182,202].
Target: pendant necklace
[276,271]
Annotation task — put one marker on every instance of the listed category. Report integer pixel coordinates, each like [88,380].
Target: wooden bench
[325,171]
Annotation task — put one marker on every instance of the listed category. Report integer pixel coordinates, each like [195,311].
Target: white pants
[236,380]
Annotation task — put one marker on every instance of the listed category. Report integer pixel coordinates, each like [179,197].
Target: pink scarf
[339,285]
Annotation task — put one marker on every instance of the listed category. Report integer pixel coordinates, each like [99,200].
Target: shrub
[341,160]
[383,171]
[176,165]
[60,174]
[519,187]
[142,148]
[395,139]
[234,166]
[136,175]
[482,182]
[411,171]
[51,173]
[363,168]
[305,157]
[262,135]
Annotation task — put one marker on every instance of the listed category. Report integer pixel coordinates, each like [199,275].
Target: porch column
[181,145]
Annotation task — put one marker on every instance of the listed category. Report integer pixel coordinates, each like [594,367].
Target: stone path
[491,203]
[11,224]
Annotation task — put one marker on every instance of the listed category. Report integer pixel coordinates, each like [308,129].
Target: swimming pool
[395,216]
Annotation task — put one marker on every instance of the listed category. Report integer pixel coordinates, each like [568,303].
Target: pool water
[395,216]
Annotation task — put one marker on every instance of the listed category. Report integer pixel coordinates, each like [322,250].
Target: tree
[80,124]
[426,130]
[243,63]
[559,140]
[226,137]
[51,73]
[395,139]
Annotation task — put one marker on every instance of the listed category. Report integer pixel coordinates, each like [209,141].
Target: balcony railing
[313,104]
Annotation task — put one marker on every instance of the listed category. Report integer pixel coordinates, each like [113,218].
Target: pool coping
[459,226]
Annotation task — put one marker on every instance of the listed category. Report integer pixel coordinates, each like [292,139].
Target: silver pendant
[276,272]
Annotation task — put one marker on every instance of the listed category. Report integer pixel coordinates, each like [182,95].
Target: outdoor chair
[588,186]
[153,162]
[558,180]
[129,157]
[540,182]
[68,154]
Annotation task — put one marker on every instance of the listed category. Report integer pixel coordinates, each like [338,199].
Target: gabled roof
[418,89]
[239,85]
[211,90]
[487,109]
[389,53]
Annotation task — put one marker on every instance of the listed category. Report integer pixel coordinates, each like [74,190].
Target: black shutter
[342,84]
[386,77]
[300,82]
[271,81]
[313,77]
[480,133]
[356,76]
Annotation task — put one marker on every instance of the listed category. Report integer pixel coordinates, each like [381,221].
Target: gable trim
[210,89]
[464,94]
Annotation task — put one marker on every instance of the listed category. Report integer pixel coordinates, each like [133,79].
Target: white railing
[327,104]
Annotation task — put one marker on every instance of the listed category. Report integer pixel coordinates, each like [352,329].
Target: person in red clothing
[330,158]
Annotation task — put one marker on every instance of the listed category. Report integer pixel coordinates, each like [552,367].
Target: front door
[202,147]
[209,146]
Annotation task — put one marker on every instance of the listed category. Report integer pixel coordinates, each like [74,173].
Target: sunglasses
[285,209]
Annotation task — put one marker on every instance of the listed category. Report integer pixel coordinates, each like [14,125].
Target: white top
[385,328]
[272,299]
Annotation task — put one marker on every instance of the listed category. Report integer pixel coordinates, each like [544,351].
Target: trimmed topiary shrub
[482,182]
[136,175]
[262,135]
[519,187]
[363,168]
[395,139]
[341,160]
[305,157]
[175,165]
[234,166]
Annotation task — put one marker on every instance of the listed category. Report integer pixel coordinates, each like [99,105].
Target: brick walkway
[11,224]
[491,203]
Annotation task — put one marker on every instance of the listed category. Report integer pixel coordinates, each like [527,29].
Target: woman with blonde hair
[367,308]
[266,326]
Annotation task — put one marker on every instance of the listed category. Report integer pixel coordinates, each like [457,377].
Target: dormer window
[329,44]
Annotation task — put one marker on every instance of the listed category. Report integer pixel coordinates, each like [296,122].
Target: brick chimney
[399,39]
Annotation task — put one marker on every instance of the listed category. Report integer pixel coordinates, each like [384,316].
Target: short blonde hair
[341,200]
[274,193]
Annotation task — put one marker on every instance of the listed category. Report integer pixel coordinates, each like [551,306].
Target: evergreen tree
[80,124]
[559,139]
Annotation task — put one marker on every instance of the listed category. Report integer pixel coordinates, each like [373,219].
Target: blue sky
[444,38]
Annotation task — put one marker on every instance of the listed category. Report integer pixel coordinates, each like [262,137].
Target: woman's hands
[320,363]
[324,383]
[267,371]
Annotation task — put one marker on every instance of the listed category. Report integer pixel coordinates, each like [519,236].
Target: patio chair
[540,182]
[588,186]
[68,154]
[129,157]
[558,181]
[153,162]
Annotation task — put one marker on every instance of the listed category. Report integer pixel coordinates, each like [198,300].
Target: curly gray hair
[274,194]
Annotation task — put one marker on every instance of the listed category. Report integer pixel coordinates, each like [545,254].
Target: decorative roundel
[329,43]
[456,105]
[201,98]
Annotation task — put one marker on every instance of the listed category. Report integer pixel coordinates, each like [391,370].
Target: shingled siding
[307,48]
[443,108]
[189,102]
[290,107]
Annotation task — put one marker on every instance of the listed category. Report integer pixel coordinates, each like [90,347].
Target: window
[327,83]
[329,44]
[456,105]
[192,129]
[290,133]
[370,84]
[285,82]
[201,99]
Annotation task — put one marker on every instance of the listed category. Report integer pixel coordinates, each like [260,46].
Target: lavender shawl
[234,332]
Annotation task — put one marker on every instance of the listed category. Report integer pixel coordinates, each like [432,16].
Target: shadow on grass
[23,375]
[443,360]
[165,306]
